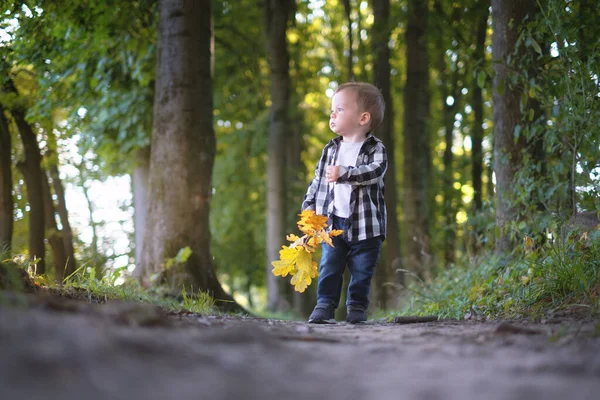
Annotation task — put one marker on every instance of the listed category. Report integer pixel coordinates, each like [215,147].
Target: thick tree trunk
[277,14]
[140,180]
[386,273]
[32,171]
[67,231]
[416,112]
[183,148]
[6,186]
[506,18]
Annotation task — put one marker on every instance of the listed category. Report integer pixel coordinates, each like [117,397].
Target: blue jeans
[361,258]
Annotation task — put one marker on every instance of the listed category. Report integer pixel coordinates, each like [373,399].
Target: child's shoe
[322,314]
[356,315]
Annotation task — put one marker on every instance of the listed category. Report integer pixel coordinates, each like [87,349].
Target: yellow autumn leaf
[296,259]
[324,237]
[335,232]
[310,223]
[291,237]
[301,282]
[304,261]
[287,263]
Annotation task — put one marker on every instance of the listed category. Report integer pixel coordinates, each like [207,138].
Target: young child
[348,188]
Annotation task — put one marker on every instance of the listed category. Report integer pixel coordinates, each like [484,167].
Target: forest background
[217,111]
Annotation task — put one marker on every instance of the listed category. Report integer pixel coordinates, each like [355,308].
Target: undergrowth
[86,284]
[558,275]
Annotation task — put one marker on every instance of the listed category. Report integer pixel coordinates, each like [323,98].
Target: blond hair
[369,99]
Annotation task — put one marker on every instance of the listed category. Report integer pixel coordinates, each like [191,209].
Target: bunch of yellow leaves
[296,259]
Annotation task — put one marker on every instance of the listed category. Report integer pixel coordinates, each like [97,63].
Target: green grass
[559,275]
[86,284]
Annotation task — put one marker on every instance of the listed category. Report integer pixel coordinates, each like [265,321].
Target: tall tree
[277,13]
[416,112]
[381,36]
[506,19]
[449,75]
[477,103]
[350,56]
[183,147]
[139,181]
[31,169]
[63,213]
[53,234]
[6,185]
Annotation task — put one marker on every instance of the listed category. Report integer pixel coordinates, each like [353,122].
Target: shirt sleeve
[309,198]
[367,174]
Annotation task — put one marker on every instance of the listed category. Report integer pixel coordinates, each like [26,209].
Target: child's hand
[332,173]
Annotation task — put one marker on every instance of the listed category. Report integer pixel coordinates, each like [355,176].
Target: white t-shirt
[347,155]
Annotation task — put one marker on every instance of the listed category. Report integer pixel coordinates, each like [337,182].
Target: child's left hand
[332,173]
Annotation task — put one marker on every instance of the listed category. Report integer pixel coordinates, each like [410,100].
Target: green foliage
[114,285]
[555,275]
[95,61]
[560,170]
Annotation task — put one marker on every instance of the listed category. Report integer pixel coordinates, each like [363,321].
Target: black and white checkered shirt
[367,207]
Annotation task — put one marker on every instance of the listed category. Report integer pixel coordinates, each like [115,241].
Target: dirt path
[132,352]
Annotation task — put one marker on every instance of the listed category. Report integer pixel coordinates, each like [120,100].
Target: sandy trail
[122,351]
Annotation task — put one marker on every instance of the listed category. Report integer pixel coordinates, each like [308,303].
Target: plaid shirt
[367,207]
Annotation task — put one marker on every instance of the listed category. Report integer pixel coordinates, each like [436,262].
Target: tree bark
[32,171]
[63,213]
[277,14]
[6,186]
[350,58]
[183,148]
[477,135]
[386,273]
[449,87]
[416,112]
[90,207]
[140,180]
[53,234]
[506,17]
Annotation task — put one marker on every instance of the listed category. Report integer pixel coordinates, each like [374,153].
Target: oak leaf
[296,259]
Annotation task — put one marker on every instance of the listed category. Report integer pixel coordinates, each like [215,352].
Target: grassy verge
[556,276]
[85,284]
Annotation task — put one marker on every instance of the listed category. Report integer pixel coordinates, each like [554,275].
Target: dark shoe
[356,315]
[322,314]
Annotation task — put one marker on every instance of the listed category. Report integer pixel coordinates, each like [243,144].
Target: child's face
[346,119]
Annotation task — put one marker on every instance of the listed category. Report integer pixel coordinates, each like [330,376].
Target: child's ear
[365,118]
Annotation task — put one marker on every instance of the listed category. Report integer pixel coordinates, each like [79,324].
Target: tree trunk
[416,112]
[6,186]
[277,14]
[183,148]
[53,235]
[449,78]
[67,231]
[506,17]
[32,171]
[140,177]
[350,58]
[90,206]
[477,135]
[386,273]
